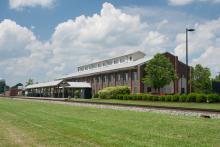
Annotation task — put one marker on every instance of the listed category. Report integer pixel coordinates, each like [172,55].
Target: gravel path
[133,108]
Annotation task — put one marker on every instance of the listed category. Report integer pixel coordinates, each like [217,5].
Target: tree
[2,85]
[201,81]
[29,82]
[217,77]
[159,72]
[17,85]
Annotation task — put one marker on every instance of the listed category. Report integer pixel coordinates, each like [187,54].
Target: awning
[45,84]
[61,84]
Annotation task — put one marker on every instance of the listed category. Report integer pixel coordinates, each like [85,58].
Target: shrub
[96,95]
[125,97]
[155,97]
[134,97]
[76,94]
[212,98]
[162,98]
[168,98]
[175,98]
[119,96]
[201,98]
[191,97]
[183,98]
[146,97]
[112,92]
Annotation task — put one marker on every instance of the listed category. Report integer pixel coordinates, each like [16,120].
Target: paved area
[139,109]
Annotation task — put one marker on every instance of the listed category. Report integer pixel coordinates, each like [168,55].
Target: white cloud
[111,31]
[14,40]
[21,54]
[75,42]
[180,2]
[204,45]
[186,2]
[172,24]
[20,4]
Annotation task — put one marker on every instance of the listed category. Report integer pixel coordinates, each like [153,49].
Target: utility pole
[187,69]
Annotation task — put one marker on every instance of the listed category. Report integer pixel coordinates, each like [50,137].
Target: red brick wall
[135,85]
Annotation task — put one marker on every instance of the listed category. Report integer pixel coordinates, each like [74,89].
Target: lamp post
[187,74]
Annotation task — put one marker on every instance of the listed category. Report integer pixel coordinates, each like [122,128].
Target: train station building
[127,70]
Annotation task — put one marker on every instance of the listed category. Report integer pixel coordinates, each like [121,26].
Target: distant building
[123,70]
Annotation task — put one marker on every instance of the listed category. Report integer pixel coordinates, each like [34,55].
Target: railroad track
[206,113]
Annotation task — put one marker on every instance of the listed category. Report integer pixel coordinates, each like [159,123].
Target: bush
[168,98]
[123,93]
[113,92]
[175,98]
[212,98]
[76,94]
[155,97]
[191,97]
[200,98]
[96,95]
[162,98]
[183,98]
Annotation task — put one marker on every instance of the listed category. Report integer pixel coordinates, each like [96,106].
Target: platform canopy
[60,83]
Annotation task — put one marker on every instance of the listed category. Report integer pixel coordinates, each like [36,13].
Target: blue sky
[43,39]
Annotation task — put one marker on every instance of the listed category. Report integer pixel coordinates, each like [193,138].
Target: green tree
[17,85]
[2,85]
[29,82]
[159,72]
[217,77]
[201,81]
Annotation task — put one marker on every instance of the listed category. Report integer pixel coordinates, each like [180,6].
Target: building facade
[127,70]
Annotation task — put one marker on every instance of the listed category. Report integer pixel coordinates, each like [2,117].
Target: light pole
[187,74]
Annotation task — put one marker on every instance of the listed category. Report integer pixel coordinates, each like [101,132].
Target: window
[97,79]
[122,77]
[94,79]
[118,77]
[122,60]
[99,65]
[116,61]
[130,58]
[103,79]
[109,78]
[109,62]
[125,76]
[134,75]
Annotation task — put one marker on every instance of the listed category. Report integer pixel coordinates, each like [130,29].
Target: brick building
[124,70]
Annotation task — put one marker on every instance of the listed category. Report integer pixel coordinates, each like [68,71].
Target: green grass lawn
[33,123]
[156,103]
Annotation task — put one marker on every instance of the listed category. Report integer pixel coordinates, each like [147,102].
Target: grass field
[31,123]
[157,103]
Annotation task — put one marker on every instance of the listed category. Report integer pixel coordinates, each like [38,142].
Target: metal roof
[78,85]
[45,84]
[108,68]
[100,61]
[57,82]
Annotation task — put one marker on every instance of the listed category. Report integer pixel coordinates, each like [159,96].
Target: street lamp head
[191,30]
